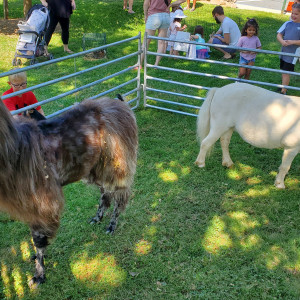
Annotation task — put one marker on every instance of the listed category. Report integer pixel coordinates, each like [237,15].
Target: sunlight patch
[257,192]
[24,247]
[5,279]
[241,221]
[168,176]
[215,238]
[234,174]
[18,284]
[185,170]
[250,241]
[100,271]
[275,257]
[253,180]
[143,247]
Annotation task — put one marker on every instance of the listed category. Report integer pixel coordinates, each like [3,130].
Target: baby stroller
[31,42]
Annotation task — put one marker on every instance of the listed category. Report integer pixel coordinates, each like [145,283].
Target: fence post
[145,66]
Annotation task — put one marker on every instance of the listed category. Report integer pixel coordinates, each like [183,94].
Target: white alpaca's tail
[203,120]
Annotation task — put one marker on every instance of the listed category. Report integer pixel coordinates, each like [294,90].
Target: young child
[18,82]
[288,36]
[250,40]
[174,27]
[201,51]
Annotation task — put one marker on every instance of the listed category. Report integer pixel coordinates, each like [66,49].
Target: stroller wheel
[50,56]
[32,61]
[16,62]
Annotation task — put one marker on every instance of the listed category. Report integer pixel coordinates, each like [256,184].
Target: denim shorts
[219,42]
[244,61]
[158,21]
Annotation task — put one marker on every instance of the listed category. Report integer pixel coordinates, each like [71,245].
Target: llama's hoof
[200,165]
[94,220]
[227,164]
[279,185]
[36,281]
[110,229]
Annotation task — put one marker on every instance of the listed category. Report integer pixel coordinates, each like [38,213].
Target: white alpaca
[262,118]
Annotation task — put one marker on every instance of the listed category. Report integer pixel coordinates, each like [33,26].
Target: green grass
[187,233]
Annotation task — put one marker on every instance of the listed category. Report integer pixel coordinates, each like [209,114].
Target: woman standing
[60,12]
[157,18]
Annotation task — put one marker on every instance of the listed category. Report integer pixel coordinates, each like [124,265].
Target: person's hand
[45,3]
[184,27]
[73,4]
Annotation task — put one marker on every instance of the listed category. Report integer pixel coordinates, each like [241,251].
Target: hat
[179,14]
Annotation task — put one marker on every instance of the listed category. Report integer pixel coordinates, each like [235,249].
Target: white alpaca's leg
[225,141]
[287,158]
[206,144]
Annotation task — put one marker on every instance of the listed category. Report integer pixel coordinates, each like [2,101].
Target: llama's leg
[287,158]
[121,197]
[225,141]
[104,204]
[206,144]
[40,241]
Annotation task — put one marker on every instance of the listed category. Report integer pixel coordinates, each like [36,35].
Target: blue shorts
[219,42]
[244,61]
[158,21]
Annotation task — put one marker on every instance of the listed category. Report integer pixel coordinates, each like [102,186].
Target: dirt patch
[9,27]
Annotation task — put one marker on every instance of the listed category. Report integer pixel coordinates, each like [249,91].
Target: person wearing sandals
[129,7]
[228,34]
[157,18]
[60,12]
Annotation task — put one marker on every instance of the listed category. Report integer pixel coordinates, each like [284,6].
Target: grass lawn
[187,233]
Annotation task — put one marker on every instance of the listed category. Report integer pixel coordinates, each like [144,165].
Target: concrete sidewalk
[273,6]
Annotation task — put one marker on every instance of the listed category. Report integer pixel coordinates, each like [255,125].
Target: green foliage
[187,233]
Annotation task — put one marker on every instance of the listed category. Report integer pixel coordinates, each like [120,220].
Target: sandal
[69,51]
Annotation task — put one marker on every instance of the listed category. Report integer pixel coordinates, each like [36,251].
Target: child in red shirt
[18,82]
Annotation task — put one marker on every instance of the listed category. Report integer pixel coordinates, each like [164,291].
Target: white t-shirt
[229,26]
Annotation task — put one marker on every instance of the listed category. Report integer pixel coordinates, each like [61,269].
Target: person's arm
[181,28]
[146,7]
[176,3]
[44,2]
[281,40]
[73,4]
[41,112]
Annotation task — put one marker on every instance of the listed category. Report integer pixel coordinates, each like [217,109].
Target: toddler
[174,27]
[201,50]
[18,82]
[250,40]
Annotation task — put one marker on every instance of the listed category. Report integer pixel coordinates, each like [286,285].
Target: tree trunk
[27,5]
[5,9]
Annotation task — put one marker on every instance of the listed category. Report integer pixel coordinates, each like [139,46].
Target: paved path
[273,6]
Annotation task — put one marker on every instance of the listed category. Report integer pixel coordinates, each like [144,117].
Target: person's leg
[242,72]
[51,28]
[130,11]
[285,81]
[216,41]
[187,5]
[162,32]
[149,32]
[65,24]
[194,5]
[248,71]
[125,4]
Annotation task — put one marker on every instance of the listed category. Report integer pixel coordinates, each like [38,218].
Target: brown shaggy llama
[96,140]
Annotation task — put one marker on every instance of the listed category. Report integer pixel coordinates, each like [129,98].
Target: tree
[26,6]
[5,9]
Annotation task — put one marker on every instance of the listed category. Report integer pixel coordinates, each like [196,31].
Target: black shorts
[286,66]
